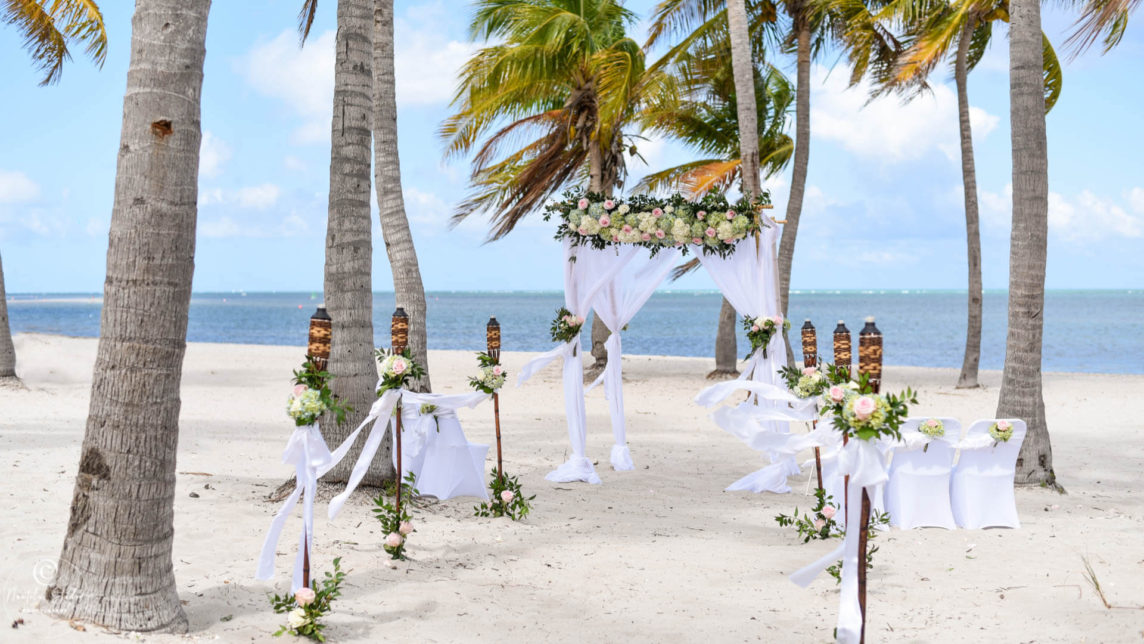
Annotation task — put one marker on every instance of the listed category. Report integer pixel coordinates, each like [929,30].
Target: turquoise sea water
[1085,331]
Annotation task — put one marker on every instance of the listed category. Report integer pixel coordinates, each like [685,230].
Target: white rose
[297,618]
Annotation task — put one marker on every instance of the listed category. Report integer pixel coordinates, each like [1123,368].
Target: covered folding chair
[981,488]
[917,494]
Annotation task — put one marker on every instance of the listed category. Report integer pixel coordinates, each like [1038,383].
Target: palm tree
[929,31]
[1105,20]
[347,287]
[566,78]
[7,350]
[1021,395]
[801,31]
[47,32]
[407,286]
[115,568]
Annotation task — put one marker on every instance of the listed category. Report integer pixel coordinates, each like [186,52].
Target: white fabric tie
[863,462]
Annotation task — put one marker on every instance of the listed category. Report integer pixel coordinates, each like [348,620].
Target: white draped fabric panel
[748,279]
[434,448]
[586,271]
[616,304]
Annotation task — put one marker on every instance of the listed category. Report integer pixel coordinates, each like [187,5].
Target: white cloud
[1080,219]
[302,78]
[425,69]
[253,226]
[96,227]
[258,197]
[221,227]
[294,163]
[888,129]
[213,152]
[16,187]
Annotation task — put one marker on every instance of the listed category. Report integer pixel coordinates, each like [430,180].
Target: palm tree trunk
[600,331]
[115,568]
[798,175]
[1021,395]
[743,70]
[349,246]
[7,350]
[972,359]
[407,287]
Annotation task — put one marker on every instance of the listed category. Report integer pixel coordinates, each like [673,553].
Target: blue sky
[883,208]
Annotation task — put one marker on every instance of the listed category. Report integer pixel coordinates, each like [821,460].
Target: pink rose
[304,596]
[393,540]
[730,214]
[399,366]
[615,238]
[609,204]
[710,232]
[498,370]
[696,240]
[657,213]
[605,220]
[933,422]
[754,328]
[808,371]
[660,234]
[729,240]
[778,320]
[819,524]
[1003,425]
[299,390]
[837,393]
[405,528]
[583,204]
[864,407]
[582,230]
[646,236]
[507,496]
[627,228]
[579,321]
[828,511]
[702,214]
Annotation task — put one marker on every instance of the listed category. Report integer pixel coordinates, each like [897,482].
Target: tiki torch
[870,353]
[842,347]
[493,339]
[810,359]
[321,331]
[398,341]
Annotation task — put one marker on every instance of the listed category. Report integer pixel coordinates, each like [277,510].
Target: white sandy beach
[659,554]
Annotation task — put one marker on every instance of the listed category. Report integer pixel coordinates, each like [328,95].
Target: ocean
[1085,331]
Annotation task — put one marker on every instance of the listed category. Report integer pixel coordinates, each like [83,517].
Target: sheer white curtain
[586,271]
[616,304]
[748,278]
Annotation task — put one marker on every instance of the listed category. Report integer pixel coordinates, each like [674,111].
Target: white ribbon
[566,350]
[378,415]
[863,462]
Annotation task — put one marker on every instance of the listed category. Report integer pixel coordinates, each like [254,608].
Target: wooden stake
[399,464]
[863,535]
[306,559]
[496,416]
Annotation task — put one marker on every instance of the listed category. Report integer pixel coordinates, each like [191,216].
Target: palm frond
[48,30]
[1054,77]
[306,20]
[1105,20]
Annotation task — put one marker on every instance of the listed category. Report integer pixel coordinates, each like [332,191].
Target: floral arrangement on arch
[712,224]
[566,326]
[491,377]
[312,397]
[305,608]
[760,330]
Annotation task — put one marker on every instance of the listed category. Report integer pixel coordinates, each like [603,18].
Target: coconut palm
[48,30]
[546,107]
[1021,395]
[115,568]
[792,25]
[407,287]
[898,45]
[1104,20]
[347,286]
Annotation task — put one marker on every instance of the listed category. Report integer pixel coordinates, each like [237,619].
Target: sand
[659,554]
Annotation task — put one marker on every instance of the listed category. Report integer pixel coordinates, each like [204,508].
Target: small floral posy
[807,382]
[492,376]
[819,523]
[760,330]
[860,413]
[566,326]
[507,499]
[932,427]
[396,526]
[305,608]
[312,397]
[397,369]
[1001,431]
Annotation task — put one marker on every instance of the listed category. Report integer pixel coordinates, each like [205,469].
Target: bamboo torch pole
[493,339]
[318,354]
[398,341]
[869,363]
[810,359]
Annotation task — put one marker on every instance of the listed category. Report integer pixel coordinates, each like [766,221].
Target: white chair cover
[434,448]
[586,271]
[616,304]
[917,494]
[981,488]
[748,278]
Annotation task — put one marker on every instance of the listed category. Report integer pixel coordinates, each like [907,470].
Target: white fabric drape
[434,448]
[616,304]
[748,279]
[865,464]
[586,271]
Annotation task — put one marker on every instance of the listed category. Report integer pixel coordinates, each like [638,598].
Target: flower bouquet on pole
[507,498]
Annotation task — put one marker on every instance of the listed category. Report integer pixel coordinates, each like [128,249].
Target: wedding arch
[617,252]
